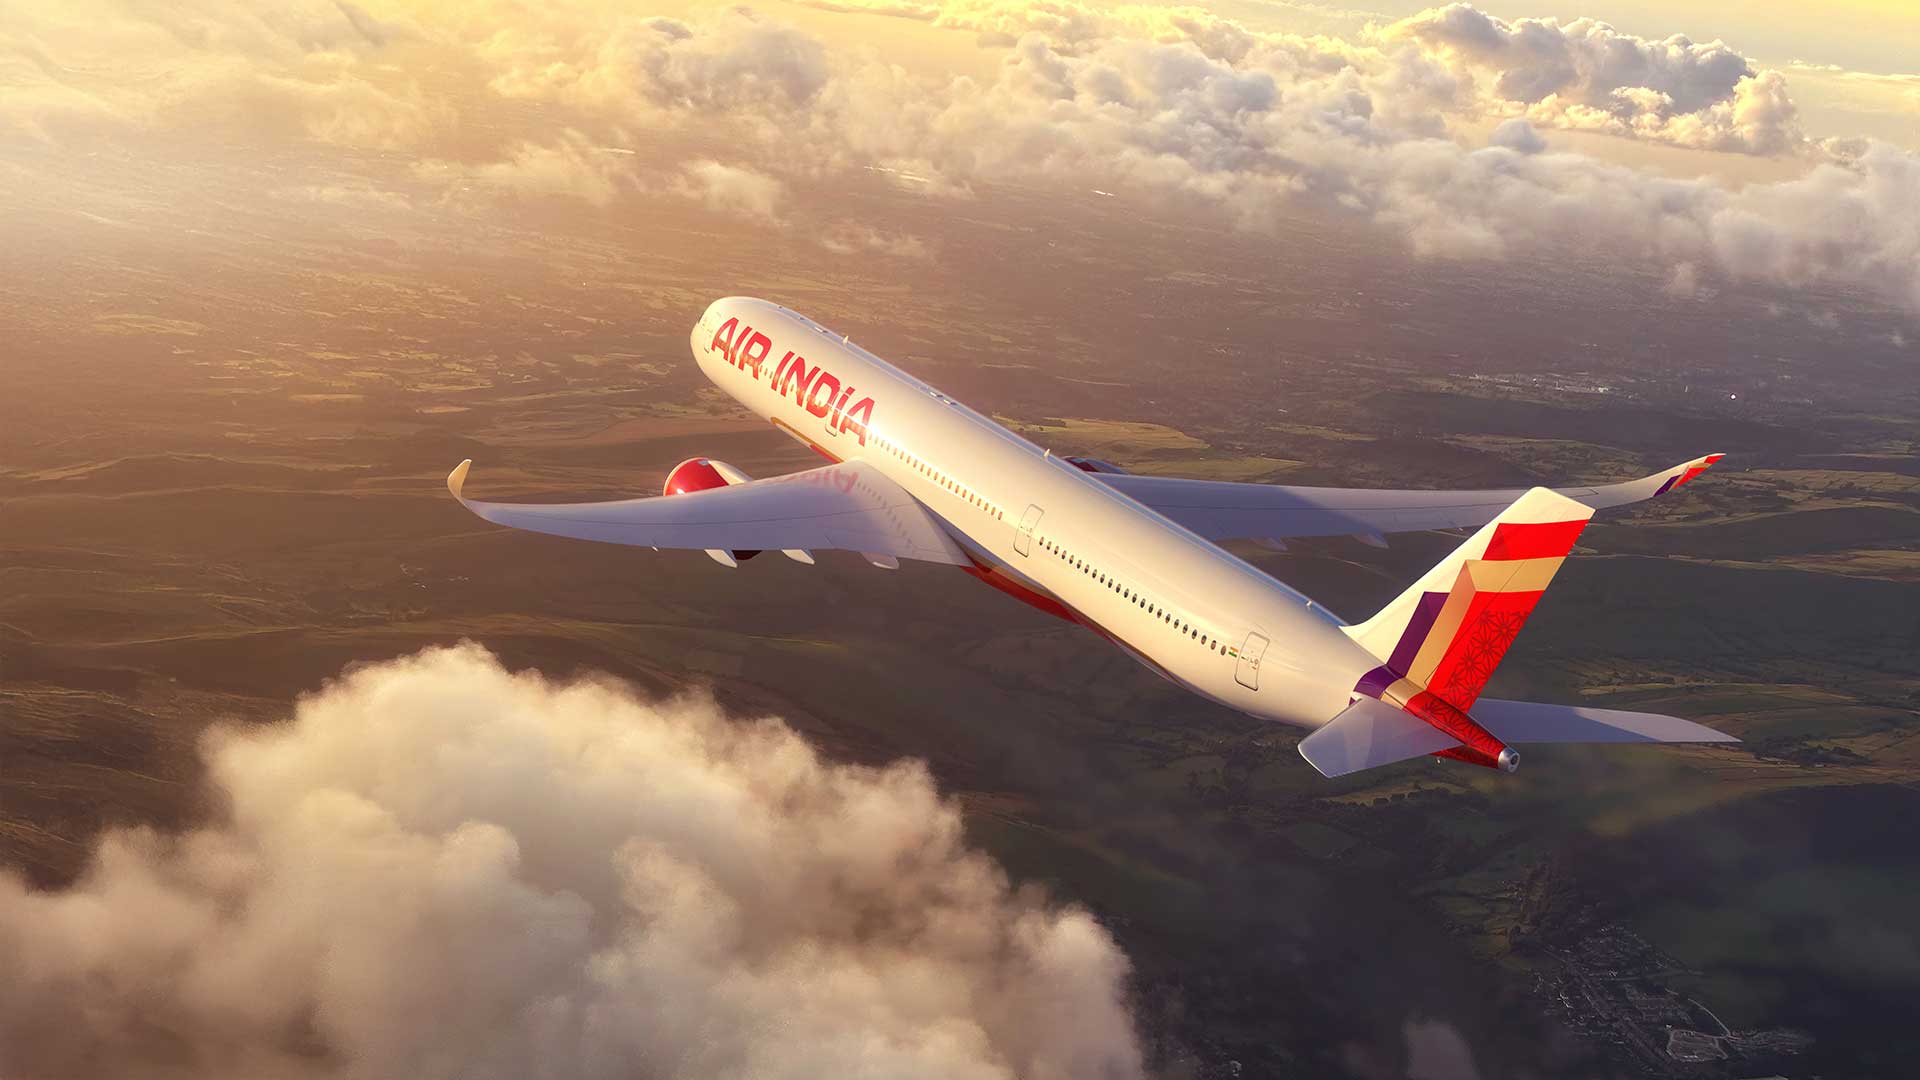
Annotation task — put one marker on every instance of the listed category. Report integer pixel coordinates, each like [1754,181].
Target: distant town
[1611,987]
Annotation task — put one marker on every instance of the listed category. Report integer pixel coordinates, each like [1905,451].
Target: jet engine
[700,474]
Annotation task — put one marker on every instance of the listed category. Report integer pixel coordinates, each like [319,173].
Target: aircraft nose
[702,331]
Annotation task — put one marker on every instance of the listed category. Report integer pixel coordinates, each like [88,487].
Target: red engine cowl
[700,474]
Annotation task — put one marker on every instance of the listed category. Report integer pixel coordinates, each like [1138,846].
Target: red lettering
[857,417]
[817,404]
[839,403]
[797,372]
[723,338]
[753,352]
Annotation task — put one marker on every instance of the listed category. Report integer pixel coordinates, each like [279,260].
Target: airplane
[914,474]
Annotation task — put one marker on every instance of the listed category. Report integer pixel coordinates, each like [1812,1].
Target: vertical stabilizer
[1447,633]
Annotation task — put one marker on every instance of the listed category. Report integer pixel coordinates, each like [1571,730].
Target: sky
[1769,144]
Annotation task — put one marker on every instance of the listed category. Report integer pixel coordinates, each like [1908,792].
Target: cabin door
[1023,539]
[1247,674]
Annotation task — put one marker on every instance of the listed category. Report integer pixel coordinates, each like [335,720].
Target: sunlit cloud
[1585,74]
[569,167]
[732,189]
[291,68]
[1438,128]
[850,239]
[440,868]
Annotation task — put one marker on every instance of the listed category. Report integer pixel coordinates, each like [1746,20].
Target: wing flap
[848,506]
[1370,733]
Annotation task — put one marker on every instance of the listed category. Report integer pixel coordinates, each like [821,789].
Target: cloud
[851,239]
[44,111]
[731,189]
[1683,283]
[1174,102]
[1517,135]
[1436,1051]
[361,197]
[570,167]
[292,68]
[333,106]
[1585,74]
[1290,126]
[656,67]
[441,869]
[899,9]
[1857,222]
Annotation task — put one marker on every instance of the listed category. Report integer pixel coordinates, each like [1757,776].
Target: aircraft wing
[1221,510]
[849,506]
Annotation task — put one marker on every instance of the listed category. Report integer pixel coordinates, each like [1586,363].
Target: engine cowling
[699,474]
[702,474]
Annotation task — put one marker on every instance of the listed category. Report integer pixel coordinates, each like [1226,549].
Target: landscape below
[206,516]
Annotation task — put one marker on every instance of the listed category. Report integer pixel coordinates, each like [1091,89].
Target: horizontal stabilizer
[1370,733]
[1530,722]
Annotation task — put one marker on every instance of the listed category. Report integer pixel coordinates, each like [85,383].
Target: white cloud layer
[1585,74]
[654,67]
[1266,125]
[441,869]
[569,167]
[1151,102]
[279,68]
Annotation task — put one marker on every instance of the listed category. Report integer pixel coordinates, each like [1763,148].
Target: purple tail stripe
[1375,682]
[1415,634]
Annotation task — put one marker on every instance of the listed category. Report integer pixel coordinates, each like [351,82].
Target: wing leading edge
[849,506]
[1223,510]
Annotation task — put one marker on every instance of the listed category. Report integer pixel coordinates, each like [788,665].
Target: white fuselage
[1195,612]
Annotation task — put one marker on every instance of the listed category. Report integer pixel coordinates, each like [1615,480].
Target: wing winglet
[1603,496]
[457,479]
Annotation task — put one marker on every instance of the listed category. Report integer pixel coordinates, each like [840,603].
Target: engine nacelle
[701,474]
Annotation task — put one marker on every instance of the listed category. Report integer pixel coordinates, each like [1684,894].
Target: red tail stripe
[1533,540]
[1437,711]
[1492,621]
